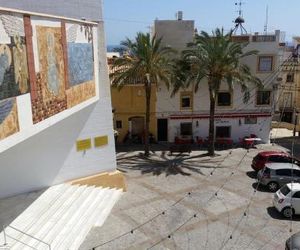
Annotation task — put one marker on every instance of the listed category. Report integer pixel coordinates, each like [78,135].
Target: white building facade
[55,111]
[186,115]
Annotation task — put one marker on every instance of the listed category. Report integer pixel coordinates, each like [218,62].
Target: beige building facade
[288,104]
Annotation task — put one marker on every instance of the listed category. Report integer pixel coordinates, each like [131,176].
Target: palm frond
[213,59]
[145,55]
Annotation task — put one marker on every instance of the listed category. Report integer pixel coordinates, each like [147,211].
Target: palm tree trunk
[211,133]
[148,98]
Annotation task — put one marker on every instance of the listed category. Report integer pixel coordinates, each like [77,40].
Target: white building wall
[88,9]
[44,154]
[170,107]
[99,123]
[238,131]
[174,33]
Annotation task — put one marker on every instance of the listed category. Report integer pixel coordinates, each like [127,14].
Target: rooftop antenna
[267,20]
[240,3]
[239,20]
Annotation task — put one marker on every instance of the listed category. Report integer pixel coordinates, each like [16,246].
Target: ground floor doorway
[287,117]
[162,129]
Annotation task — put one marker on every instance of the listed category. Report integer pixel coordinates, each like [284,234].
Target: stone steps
[61,217]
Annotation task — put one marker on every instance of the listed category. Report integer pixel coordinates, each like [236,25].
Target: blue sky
[124,18]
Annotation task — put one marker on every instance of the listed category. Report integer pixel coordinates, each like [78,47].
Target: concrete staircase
[60,218]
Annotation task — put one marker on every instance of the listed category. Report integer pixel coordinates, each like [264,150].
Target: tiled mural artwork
[60,58]
[80,58]
[8,117]
[14,78]
[50,85]
[80,63]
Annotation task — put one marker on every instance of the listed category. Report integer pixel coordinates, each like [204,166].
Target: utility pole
[295,121]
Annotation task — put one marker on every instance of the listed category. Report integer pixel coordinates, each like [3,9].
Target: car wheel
[273,186]
[288,212]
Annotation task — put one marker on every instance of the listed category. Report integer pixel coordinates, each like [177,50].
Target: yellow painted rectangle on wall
[84,144]
[101,141]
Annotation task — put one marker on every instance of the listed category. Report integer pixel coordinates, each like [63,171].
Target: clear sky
[124,18]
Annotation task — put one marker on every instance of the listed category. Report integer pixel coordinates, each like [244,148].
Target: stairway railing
[5,235]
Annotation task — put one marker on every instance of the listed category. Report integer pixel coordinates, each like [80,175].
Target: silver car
[275,175]
[293,243]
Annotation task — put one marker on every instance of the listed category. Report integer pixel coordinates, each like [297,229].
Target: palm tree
[212,60]
[147,62]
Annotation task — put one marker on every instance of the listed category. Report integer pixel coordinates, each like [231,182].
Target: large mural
[52,60]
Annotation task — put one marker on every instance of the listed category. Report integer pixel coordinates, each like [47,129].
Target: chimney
[179,15]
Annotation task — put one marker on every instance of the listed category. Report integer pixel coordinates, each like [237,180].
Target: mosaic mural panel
[50,84]
[80,93]
[9,123]
[81,64]
[80,54]
[14,79]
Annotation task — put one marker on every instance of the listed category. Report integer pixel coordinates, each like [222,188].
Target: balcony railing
[264,38]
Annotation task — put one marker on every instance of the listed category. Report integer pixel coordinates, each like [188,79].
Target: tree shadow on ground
[154,147]
[162,163]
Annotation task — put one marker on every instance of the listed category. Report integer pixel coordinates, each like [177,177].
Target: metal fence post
[4,235]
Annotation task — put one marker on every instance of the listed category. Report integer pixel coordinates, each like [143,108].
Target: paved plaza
[193,202]
[187,201]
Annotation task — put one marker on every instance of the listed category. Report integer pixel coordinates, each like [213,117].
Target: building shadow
[12,207]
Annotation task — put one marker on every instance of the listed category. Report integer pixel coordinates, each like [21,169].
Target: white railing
[5,235]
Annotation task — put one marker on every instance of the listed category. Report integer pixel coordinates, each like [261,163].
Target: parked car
[275,175]
[287,199]
[293,243]
[262,158]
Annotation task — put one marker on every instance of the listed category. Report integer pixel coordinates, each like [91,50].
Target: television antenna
[239,20]
[267,20]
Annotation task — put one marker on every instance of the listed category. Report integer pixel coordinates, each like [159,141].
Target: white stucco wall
[238,131]
[88,9]
[174,33]
[170,107]
[44,154]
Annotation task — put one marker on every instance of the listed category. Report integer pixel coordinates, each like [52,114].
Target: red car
[262,158]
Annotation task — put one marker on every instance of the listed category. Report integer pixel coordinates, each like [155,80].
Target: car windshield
[285,190]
